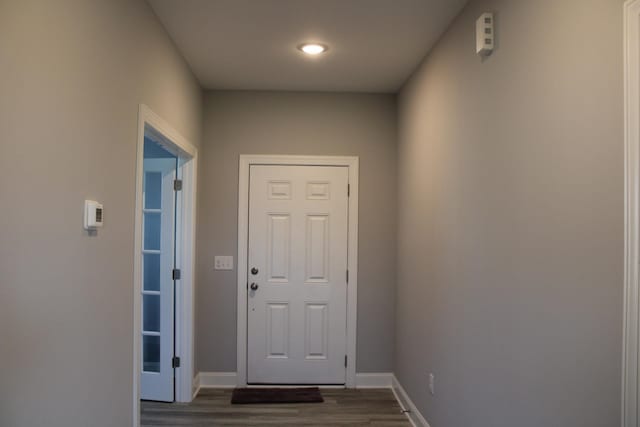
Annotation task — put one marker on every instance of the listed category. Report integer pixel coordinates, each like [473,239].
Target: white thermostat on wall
[485,34]
[93,215]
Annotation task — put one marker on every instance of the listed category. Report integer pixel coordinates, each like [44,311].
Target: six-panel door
[297,275]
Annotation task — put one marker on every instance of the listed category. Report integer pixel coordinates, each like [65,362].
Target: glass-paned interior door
[158,260]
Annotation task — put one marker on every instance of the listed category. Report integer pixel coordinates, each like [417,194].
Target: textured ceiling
[374,45]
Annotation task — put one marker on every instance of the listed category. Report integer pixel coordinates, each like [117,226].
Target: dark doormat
[243,396]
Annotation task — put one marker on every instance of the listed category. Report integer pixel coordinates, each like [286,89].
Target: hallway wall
[72,74]
[510,251]
[238,122]
[508,179]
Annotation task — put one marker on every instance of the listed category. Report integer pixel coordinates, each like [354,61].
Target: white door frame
[243,234]
[185,250]
[631,328]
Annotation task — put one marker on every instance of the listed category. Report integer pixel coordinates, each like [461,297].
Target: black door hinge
[345,360]
[347,276]
[177,185]
[175,274]
[175,362]
[348,190]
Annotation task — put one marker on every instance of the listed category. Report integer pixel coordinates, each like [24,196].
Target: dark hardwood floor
[212,407]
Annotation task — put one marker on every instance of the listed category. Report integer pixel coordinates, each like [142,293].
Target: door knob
[254,271]
[254,286]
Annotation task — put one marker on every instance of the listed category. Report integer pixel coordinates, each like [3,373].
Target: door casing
[185,256]
[243,233]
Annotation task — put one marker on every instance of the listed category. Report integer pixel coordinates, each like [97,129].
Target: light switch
[223,263]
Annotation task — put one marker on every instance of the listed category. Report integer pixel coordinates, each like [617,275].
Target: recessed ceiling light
[313,48]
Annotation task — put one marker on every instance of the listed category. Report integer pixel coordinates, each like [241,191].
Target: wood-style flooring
[212,407]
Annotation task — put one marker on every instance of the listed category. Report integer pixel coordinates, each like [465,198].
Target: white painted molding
[243,233]
[411,411]
[229,380]
[374,380]
[630,351]
[185,293]
[217,380]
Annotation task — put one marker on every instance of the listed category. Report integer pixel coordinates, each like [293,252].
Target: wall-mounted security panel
[93,215]
[485,34]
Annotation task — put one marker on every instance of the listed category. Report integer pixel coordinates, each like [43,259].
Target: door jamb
[185,247]
[630,353]
[243,234]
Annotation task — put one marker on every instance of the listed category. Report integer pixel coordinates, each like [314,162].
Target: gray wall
[72,76]
[510,250]
[297,123]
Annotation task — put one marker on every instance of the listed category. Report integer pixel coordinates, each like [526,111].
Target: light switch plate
[223,263]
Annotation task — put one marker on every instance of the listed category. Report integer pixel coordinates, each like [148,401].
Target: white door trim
[631,328]
[243,226]
[185,247]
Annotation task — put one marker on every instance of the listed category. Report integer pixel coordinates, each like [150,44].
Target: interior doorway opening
[159,223]
[163,264]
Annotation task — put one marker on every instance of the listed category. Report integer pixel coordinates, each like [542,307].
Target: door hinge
[347,276]
[345,360]
[348,190]
[177,185]
[175,274]
[175,362]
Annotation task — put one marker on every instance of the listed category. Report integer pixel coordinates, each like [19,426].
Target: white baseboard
[374,380]
[229,380]
[217,379]
[412,412]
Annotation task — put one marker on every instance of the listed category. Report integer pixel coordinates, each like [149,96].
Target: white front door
[297,275]
[158,255]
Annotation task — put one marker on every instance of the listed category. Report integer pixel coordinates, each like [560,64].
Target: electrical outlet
[223,263]
[432,384]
